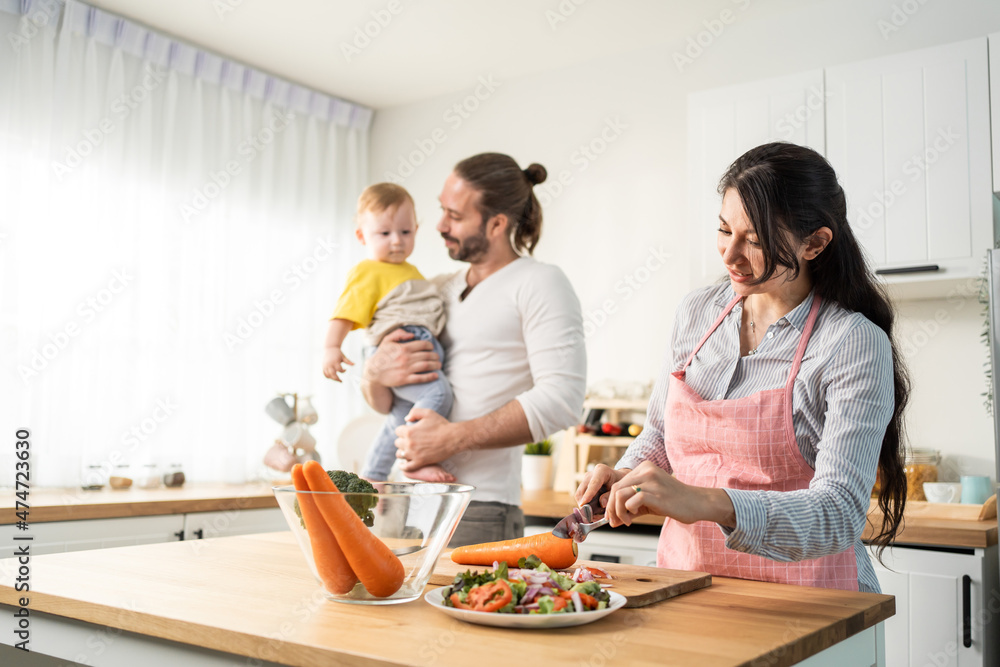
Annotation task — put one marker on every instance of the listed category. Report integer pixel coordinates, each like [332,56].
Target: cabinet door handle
[925,268]
[966,611]
[179,535]
[199,534]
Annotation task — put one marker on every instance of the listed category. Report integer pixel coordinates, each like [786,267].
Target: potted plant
[536,466]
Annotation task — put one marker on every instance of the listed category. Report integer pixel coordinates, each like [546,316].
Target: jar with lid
[93,476]
[173,477]
[121,476]
[148,477]
[921,466]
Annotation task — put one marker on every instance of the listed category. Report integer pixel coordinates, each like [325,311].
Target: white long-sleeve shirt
[517,335]
[841,403]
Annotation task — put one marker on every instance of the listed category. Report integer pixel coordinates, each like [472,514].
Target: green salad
[531,588]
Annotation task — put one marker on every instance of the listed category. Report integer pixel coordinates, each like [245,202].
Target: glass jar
[174,476]
[148,477]
[921,466]
[121,476]
[93,477]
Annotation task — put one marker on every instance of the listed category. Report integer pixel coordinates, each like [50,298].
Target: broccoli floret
[348,482]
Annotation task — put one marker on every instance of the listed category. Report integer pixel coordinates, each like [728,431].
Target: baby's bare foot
[431,474]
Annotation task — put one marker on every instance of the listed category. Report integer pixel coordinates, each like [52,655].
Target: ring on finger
[636,488]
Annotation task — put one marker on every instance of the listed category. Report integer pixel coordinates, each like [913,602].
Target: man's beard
[471,248]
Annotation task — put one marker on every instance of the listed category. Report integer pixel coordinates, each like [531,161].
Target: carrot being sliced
[331,564]
[556,552]
[379,570]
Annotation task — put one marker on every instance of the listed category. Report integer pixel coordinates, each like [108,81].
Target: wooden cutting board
[640,585]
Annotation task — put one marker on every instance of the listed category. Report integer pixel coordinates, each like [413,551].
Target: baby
[385,293]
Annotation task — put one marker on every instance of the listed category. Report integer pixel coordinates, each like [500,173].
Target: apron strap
[790,385]
[799,352]
[806,333]
[710,331]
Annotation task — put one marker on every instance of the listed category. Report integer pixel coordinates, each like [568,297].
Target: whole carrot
[379,570]
[556,552]
[334,570]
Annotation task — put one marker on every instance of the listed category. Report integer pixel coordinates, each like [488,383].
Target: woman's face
[741,252]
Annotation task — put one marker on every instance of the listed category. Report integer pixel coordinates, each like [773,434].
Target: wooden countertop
[254,596]
[68,504]
[919,528]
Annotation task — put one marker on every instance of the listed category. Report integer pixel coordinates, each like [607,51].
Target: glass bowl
[415,520]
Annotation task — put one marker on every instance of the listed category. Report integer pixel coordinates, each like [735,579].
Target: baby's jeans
[435,395]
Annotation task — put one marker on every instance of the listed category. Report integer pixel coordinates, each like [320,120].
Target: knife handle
[595,502]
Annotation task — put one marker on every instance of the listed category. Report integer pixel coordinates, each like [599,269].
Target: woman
[782,393]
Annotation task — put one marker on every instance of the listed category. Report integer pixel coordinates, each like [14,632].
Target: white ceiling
[428,47]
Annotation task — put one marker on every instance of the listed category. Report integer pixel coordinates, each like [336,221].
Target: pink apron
[744,443]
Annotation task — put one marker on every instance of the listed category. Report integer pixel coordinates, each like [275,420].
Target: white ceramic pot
[536,472]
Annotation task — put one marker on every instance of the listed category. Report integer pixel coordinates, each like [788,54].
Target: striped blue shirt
[842,402]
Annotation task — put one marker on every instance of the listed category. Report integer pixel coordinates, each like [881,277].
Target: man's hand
[397,362]
[426,438]
[333,360]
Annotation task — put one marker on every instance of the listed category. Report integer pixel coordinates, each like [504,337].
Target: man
[514,348]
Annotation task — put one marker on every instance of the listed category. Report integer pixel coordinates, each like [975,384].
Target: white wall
[628,204]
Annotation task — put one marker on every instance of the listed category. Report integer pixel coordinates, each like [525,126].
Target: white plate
[436,599]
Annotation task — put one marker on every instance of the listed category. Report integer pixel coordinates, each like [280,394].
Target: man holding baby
[513,343]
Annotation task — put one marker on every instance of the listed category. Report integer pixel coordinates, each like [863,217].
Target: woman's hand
[663,494]
[600,476]
[397,362]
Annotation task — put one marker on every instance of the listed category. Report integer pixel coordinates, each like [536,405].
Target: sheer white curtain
[173,231]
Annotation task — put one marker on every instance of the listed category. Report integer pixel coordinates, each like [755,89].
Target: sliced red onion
[531,593]
[577,601]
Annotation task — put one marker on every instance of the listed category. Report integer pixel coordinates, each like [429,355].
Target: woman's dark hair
[506,188]
[788,192]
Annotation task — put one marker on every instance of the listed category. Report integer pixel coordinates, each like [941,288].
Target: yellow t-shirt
[367,283]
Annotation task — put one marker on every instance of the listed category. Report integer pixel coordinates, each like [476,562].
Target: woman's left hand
[649,489]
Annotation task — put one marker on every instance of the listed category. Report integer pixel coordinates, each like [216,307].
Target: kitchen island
[250,600]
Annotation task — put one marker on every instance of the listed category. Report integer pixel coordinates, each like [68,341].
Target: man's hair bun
[536,173]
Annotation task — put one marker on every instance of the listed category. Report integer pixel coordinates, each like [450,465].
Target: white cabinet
[203,525]
[620,547]
[909,137]
[79,535]
[947,605]
[724,123]
[60,536]
[994,48]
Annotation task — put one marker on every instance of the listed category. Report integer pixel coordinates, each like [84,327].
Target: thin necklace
[753,328]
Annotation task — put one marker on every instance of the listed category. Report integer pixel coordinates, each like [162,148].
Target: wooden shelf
[627,404]
[576,452]
[603,441]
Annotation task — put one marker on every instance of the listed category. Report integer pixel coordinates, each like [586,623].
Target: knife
[581,521]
